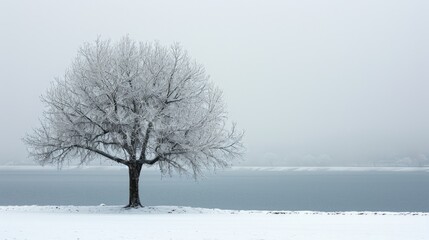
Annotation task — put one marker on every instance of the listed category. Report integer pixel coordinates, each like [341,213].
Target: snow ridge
[103,209]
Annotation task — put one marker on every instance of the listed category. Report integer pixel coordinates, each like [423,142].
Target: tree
[135,104]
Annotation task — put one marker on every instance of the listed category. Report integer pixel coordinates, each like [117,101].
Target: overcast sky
[311,82]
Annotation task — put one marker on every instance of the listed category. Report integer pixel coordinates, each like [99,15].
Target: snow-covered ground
[114,222]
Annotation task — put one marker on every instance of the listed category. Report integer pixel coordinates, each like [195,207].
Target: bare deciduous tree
[136,104]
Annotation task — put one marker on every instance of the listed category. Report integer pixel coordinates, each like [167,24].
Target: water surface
[233,189]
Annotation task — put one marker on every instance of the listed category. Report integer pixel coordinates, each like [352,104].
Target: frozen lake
[287,189]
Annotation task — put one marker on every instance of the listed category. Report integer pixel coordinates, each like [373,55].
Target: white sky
[344,82]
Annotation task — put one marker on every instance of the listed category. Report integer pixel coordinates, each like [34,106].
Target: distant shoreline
[234,168]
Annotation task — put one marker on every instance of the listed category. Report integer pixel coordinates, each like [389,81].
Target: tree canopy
[135,103]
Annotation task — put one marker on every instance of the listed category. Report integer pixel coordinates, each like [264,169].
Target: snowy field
[113,222]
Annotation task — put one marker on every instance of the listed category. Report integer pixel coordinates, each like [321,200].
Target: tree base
[135,205]
[134,174]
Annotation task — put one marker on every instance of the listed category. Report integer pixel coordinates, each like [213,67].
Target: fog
[311,82]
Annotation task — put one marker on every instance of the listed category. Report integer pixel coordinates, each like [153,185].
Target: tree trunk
[134,170]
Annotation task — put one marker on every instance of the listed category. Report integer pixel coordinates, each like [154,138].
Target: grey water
[234,189]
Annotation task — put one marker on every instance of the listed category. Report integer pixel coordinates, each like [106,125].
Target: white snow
[169,222]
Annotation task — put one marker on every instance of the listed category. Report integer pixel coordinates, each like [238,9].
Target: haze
[311,82]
